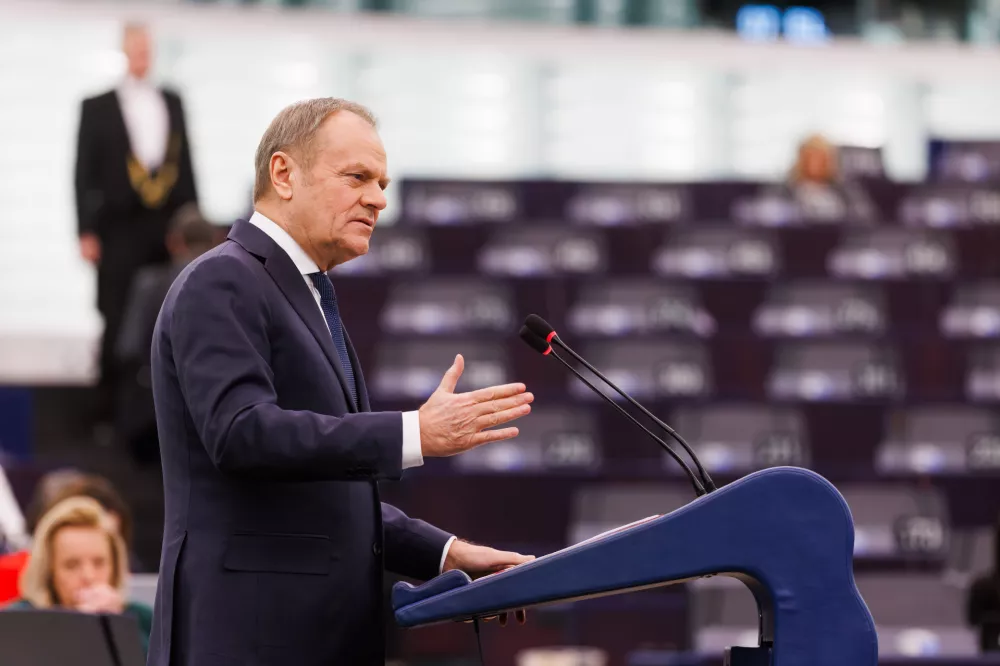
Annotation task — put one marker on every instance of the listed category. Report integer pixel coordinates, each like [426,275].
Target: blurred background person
[815,183]
[189,236]
[133,172]
[983,602]
[52,489]
[79,562]
[63,484]
[49,490]
[815,163]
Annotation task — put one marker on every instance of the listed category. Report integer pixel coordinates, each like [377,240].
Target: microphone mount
[547,332]
[543,347]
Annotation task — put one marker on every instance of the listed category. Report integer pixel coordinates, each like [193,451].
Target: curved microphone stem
[699,489]
[709,484]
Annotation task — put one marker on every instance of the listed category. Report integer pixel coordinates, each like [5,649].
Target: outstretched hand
[451,423]
[480,561]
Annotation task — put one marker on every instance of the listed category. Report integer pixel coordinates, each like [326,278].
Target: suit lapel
[292,284]
[173,115]
[118,119]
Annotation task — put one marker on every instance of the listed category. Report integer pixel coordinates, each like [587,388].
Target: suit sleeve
[86,171]
[413,548]
[220,348]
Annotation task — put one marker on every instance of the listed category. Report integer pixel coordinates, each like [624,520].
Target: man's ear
[282,175]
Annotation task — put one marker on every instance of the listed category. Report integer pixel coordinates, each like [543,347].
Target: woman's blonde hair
[36,580]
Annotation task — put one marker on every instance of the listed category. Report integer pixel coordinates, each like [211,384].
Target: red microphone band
[548,338]
[548,350]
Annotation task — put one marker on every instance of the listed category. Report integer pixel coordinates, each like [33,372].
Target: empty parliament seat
[950,439]
[635,307]
[554,439]
[918,615]
[839,371]
[898,522]
[812,309]
[667,368]
[718,252]
[448,307]
[413,369]
[741,438]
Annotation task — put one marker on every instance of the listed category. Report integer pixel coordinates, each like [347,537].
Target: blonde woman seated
[79,562]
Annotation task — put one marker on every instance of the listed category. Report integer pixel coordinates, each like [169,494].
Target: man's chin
[356,249]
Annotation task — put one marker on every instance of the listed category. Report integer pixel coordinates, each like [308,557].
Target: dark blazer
[106,201]
[275,539]
[136,418]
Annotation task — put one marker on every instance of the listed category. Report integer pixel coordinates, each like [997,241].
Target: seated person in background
[53,488]
[982,609]
[74,483]
[816,184]
[45,495]
[79,562]
[188,236]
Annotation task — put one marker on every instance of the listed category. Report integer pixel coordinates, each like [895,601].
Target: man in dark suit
[275,540]
[133,172]
[190,235]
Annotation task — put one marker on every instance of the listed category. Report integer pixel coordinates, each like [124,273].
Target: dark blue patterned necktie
[328,302]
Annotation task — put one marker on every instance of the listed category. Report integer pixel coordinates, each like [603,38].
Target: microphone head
[540,327]
[533,341]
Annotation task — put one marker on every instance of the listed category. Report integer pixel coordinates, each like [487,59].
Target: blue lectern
[785,532]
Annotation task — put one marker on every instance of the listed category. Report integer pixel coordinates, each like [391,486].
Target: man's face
[337,196]
[138,51]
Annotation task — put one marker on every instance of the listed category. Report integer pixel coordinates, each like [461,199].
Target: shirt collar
[131,83]
[284,240]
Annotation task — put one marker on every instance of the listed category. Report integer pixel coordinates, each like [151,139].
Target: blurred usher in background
[777,226]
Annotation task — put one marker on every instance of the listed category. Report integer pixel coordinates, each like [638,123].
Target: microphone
[545,349]
[545,331]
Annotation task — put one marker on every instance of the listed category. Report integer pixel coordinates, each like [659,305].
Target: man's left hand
[481,560]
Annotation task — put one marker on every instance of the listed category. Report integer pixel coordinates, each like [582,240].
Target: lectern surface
[58,638]
[786,533]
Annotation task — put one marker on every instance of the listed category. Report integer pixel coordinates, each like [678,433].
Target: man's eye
[358,176]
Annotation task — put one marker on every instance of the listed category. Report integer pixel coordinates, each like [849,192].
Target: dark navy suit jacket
[275,539]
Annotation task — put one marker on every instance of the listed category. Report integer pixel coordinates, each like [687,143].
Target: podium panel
[784,532]
[56,637]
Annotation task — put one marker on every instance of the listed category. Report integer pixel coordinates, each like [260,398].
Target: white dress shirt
[412,453]
[147,121]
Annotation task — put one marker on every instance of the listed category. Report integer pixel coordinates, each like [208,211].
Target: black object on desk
[57,638]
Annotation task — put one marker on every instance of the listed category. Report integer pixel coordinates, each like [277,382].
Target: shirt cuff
[413,454]
[444,554]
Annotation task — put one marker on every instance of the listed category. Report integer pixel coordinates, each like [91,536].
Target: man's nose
[375,198]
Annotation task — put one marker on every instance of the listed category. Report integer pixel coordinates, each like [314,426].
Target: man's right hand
[90,247]
[452,422]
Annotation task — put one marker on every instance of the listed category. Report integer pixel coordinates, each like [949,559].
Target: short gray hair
[293,129]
